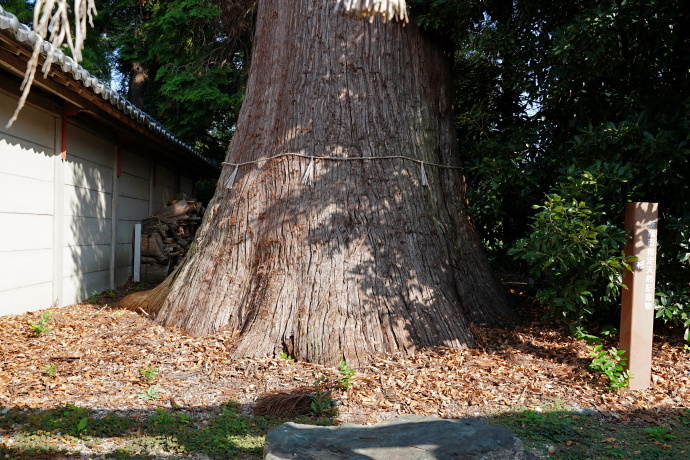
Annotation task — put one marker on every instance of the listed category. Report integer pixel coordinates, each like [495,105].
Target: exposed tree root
[149,301]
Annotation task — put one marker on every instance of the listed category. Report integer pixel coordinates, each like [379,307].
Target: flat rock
[410,437]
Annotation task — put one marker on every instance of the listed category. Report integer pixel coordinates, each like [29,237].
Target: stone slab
[410,437]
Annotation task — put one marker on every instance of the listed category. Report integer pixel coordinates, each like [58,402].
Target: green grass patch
[553,431]
[68,430]
[558,432]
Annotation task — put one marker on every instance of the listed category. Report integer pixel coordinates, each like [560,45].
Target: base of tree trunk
[354,250]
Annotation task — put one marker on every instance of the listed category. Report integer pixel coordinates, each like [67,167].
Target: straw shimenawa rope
[387,9]
[308,178]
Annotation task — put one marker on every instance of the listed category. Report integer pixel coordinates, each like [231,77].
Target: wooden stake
[637,305]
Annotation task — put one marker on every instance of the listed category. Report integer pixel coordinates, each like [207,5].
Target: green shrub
[673,289]
[576,255]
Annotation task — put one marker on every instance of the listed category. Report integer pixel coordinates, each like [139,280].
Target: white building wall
[66,226]
[133,207]
[87,214]
[27,162]
[164,190]
[186,187]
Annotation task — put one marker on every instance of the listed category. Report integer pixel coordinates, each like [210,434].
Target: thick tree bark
[367,260]
[138,78]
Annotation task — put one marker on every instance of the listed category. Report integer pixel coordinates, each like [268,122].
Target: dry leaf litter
[99,352]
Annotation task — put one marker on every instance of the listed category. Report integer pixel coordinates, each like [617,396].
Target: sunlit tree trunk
[367,260]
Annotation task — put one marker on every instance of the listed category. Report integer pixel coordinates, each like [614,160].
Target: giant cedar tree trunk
[367,260]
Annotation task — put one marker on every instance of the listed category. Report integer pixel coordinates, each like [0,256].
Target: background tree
[21,8]
[185,63]
[586,101]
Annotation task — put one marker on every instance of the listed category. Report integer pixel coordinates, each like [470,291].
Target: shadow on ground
[224,432]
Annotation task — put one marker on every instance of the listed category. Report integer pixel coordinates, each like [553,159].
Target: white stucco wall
[186,187]
[132,207]
[164,190]
[66,227]
[88,187]
[27,169]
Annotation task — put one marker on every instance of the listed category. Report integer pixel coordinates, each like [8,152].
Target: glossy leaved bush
[543,87]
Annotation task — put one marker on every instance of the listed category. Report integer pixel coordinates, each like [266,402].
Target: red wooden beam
[65,114]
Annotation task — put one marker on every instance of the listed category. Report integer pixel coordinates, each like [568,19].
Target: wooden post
[65,114]
[137,253]
[637,305]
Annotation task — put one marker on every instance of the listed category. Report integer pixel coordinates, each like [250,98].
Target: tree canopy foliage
[183,62]
[584,102]
[195,61]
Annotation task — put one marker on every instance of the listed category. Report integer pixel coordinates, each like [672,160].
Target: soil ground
[94,354]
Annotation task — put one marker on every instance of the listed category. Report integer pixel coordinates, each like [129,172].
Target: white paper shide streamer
[308,178]
[369,9]
[424,179]
[231,180]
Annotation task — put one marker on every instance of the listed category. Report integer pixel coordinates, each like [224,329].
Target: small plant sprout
[660,433]
[321,398]
[610,363]
[346,374]
[152,392]
[111,293]
[149,373]
[82,425]
[287,357]
[50,371]
[119,313]
[41,325]
[95,296]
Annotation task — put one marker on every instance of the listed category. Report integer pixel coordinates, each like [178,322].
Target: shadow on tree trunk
[366,259]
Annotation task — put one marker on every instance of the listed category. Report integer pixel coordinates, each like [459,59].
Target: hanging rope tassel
[425,181]
[308,178]
[231,179]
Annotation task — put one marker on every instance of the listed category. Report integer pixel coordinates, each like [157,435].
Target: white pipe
[137,253]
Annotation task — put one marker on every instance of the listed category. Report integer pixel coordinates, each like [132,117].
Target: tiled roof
[24,34]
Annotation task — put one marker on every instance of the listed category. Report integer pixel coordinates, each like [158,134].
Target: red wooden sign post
[637,312]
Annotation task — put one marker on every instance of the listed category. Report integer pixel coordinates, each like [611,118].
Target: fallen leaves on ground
[98,354]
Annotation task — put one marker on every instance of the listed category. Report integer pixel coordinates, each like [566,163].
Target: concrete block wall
[27,174]
[87,214]
[66,227]
[134,204]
